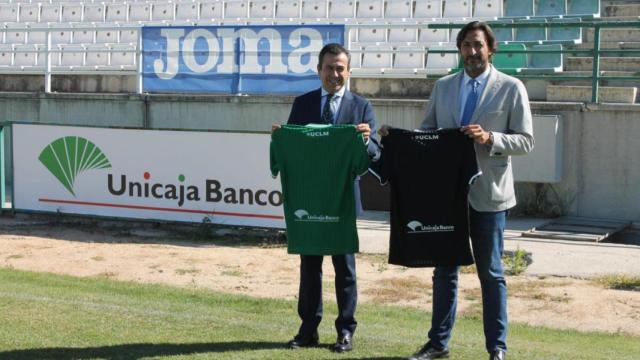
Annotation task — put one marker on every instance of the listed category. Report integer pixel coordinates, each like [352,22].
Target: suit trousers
[310,296]
[487,229]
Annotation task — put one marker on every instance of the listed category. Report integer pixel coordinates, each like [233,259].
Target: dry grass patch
[620,282]
[391,290]
[186,271]
[538,290]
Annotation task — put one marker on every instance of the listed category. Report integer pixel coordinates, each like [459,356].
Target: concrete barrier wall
[601,143]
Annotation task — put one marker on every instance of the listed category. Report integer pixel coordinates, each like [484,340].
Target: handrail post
[47,65]
[595,81]
[139,56]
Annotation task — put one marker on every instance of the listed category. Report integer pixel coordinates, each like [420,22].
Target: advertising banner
[189,176]
[234,59]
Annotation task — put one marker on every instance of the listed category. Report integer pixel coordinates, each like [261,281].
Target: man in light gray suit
[493,109]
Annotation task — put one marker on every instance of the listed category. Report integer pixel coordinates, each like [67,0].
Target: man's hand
[365,130]
[384,130]
[275,127]
[477,133]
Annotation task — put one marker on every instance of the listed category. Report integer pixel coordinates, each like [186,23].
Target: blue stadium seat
[551,8]
[518,8]
[583,8]
[568,35]
[544,63]
[503,34]
[529,34]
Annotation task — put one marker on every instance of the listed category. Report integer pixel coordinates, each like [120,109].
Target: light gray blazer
[504,110]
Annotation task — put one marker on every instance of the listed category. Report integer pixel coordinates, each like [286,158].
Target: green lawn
[46,316]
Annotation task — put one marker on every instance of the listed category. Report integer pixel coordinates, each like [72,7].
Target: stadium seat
[377,57]
[29,13]
[236,9]
[457,9]
[37,37]
[6,55]
[433,36]
[488,9]
[428,9]
[61,36]
[503,34]
[583,8]
[441,63]
[107,36]
[543,63]
[83,36]
[372,35]
[518,8]
[409,57]
[162,11]
[356,56]
[14,36]
[399,9]
[370,9]
[530,34]
[72,55]
[341,9]
[71,12]
[510,63]
[122,57]
[211,10]
[25,55]
[128,36]
[551,8]
[94,58]
[116,12]
[139,12]
[314,9]
[397,35]
[566,35]
[262,9]
[187,11]
[453,36]
[9,12]
[288,9]
[93,12]
[50,13]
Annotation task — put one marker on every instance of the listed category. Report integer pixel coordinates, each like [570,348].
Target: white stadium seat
[30,13]
[120,56]
[370,9]
[314,9]
[187,10]
[9,12]
[129,36]
[399,9]
[15,36]
[50,13]
[71,12]
[288,9]
[375,35]
[262,9]
[116,12]
[139,12]
[106,36]
[433,36]
[61,36]
[236,9]
[83,36]
[428,9]
[378,57]
[25,55]
[210,10]
[488,9]
[441,63]
[356,57]
[409,57]
[397,35]
[457,9]
[72,55]
[37,37]
[93,12]
[341,9]
[6,55]
[96,59]
[162,11]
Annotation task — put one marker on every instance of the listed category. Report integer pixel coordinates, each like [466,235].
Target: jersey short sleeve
[360,158]
[273,157]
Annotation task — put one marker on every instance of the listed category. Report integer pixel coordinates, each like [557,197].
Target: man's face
[334,72]
[475,52]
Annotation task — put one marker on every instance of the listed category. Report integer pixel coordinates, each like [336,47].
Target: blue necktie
[327,114]
[470,105]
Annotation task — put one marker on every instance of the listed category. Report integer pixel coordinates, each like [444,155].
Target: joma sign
[234,59]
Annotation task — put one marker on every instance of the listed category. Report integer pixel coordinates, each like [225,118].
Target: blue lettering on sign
[234,59]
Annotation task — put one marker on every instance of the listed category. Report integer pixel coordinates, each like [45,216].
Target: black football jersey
[430,173]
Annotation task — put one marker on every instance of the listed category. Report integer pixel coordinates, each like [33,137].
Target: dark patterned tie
[327,114]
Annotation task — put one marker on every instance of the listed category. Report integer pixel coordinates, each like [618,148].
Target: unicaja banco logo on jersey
[417,227]
[67,157]
[303,215]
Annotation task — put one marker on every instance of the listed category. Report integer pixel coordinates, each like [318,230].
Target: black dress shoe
[498,355]
[343,343]
[429,353]
[299,341]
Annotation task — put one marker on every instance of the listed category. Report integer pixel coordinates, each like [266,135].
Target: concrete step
[626,95]
[609,45]
[622,10]
[606,63]
[613,35]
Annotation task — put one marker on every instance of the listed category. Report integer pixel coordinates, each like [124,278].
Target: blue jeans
[487,230]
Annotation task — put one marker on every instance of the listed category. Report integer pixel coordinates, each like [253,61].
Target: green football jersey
[318,165]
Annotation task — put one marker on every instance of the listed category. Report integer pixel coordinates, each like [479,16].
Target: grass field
[45,316]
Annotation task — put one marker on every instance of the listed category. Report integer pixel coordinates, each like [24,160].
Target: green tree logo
[69,156]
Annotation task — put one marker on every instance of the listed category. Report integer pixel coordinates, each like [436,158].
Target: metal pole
[47,71]
[139,56]
[595,81]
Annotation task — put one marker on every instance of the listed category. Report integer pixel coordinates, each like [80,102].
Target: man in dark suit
[331,104]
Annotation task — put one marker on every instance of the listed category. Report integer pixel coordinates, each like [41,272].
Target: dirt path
[148,256]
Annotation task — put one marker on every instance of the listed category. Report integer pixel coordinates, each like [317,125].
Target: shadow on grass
[139,351]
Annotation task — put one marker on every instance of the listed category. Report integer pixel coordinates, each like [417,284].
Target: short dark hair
[334,49]
[478,25]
